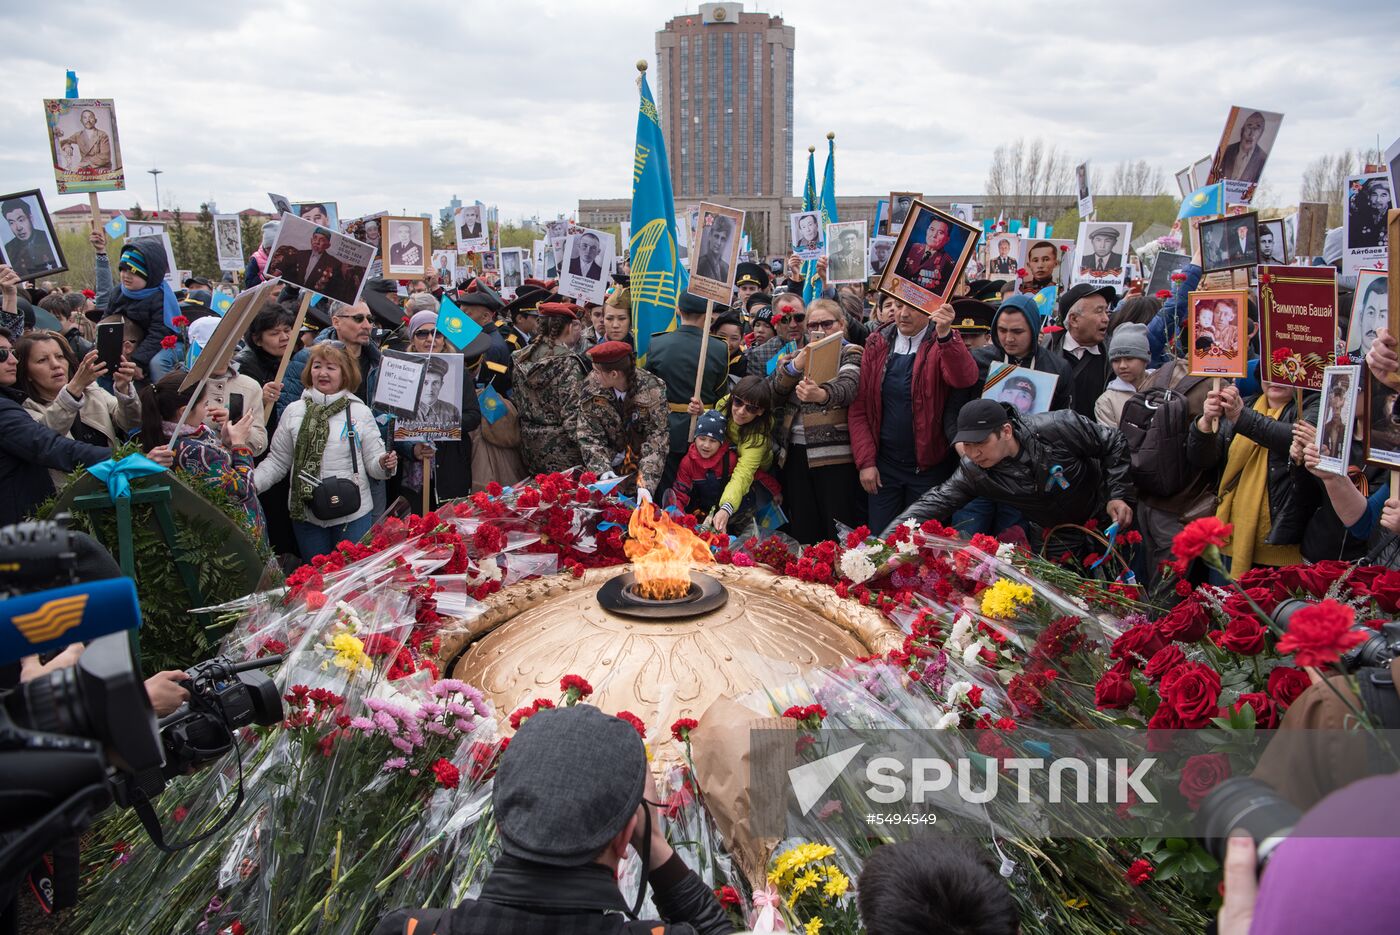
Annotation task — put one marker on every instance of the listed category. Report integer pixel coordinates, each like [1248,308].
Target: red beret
[562,309]
[610,352]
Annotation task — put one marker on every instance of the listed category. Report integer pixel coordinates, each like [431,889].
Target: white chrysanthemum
[969,657]
[487,570]
[856,566]
[946,721]
[957,690]
[961,627]
[1006,551]
[907,547]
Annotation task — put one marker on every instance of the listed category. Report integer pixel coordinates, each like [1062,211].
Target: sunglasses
[821,325]
[357,319]
[5,353]
[746,406]
[424,332]
[798,317]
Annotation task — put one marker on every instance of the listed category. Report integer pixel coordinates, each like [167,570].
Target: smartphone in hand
[235,408]
[110,336]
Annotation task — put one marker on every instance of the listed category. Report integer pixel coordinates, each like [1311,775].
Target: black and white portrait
[588,260]
[1230,242]
[318,259]
[807,240]
[900,203]
[26,238]
[472,233]
[1099,254]
[846,260]
[881,249]
[1273,250]
[512,268]
[228,242]
[1245,145]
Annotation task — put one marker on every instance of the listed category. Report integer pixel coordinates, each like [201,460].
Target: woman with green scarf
[314,442]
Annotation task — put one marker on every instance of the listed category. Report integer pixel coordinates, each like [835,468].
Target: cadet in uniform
[622,425]
[548,388]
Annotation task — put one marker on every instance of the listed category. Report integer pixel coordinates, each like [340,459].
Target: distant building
[78,218]
[446,214]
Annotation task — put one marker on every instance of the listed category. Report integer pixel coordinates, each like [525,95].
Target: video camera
[76,739]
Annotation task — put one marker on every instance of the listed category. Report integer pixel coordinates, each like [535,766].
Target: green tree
[250,231]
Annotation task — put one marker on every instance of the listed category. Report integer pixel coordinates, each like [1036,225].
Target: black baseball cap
[978,419]
[1083,289]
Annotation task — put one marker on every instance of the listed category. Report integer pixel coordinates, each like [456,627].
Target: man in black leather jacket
[569,800]
[1056,467]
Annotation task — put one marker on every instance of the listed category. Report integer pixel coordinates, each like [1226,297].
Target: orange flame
[662,553]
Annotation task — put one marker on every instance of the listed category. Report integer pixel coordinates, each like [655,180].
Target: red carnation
[1281,354]
[728,897]
[1139,873]
[180,321]
[1265,279]
[169,341]
[635,721]
[681,728]
[1198,539]
[315,600]
[574,688]
[1202,773]
[1021,271]
[1064,248]
[446,774]
[1178,276]
[1319,634]
[1163,293]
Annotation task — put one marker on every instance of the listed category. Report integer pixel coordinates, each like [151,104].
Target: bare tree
[1133,178]
[1325,178]
[1027,178]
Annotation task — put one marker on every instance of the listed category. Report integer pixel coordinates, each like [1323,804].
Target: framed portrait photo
[228,242]
[512,268]
[87,155]
[1230,242]
[808,237]
[1381,421]
[716,253]
[323,213]
[1365,206]
[588,258]
[1217,328]
[929,256]
[900,205]
[1370,311]
[846,259]
[1003,256]
[1046,258]
[473,233]
[406,243]
[27,241]
[1337,417]
[881,249]
[1245,145]
[1028,391]
[319,260]
[1273,243]
[1101,253]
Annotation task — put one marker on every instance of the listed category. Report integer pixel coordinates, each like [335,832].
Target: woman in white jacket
[313,441]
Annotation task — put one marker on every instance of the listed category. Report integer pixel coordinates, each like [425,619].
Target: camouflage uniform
[548,388]
[625,436]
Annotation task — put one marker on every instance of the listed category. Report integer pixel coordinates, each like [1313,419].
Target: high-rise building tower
[724,89]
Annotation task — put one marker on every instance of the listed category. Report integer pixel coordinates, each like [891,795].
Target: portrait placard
[1100,252]
[881,249]
[228,242]
[1310,230]
[1217,328]
[512,267]
[408,241]
[1273,243]
[1003,256]
[1230,242]
[1184,183]
[1029,391]
[83,142]
[932,250]
[1382,422]
[136,229]
[281,204]
[901,203]
[1298,312]
[473,234]
[713,261]
[962,211]
[1200,171]
[1370,310]
[808,242]
[400,384]
[445,266]
[437,417]
[323,213]
[28,244]
[556,232]
[588,257]
[223,343]
[1050,259]
[846,259]
[1086,197]
[546,266]
[1336,420]
[1364,208]
[1245,145]
[1167,263]
[824,358]
[319,259]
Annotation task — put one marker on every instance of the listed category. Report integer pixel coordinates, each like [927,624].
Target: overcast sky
[531,104]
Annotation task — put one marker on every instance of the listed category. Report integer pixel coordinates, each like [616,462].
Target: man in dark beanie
[569,800]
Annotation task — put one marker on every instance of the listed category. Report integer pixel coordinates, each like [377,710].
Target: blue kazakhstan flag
[70,85]
[456,325]
[812,288]
[1045,301]
[1203,202]
[658,276]
[809,203]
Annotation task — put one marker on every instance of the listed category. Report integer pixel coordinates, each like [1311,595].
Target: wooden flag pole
[427,483]
[1395,485]
[700,370]
[292,346]
[96,211]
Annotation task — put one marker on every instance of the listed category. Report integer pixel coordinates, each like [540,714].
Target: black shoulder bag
[338,497]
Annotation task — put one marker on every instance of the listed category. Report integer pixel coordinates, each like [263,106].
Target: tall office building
[724,89]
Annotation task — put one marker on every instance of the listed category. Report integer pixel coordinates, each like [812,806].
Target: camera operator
[163,688]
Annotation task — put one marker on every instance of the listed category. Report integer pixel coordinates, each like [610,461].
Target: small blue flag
[769,518]
[221,303]
[788,348]
[1013,227]
[605,487]
[1203,202]
[70,87]
[1045,300]
[493,407]
[456,325]
[116,227]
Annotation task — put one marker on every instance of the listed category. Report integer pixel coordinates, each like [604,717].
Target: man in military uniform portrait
[928,265]
[28,250]
[431,406]
[1365,214]
[1103,261]
[1003,264]
[848,261]
[809,234]
[405,251]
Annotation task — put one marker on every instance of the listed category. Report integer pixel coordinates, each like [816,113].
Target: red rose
[1386,590]
[1115,689]
[446,774]
[1265,711]
[1193,690]
[1163,719]
[1137,644]
[1202,773]
[1139,873]
[1312,580]
[1237,604]
[1187,622]
[1163,661]
[1242,635]
[1319,634]
[1287,683]
[1193,541]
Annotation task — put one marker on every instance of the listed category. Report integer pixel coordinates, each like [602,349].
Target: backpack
[1156,422]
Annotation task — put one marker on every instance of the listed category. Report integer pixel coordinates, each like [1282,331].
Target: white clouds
[532,105]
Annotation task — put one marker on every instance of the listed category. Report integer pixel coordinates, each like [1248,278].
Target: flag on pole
[1045,301]
[116,227]
[1202,202]
[812,288]
[70,85]
[658,275]
[456,325]
[809,203]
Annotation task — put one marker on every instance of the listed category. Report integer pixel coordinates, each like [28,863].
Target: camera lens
[52,704]
[1248,805]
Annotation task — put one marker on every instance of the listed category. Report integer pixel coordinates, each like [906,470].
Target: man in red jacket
[907,372]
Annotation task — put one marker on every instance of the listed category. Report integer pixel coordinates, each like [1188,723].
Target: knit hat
[420,320]
[570,780]
[1129,340]
[711,424]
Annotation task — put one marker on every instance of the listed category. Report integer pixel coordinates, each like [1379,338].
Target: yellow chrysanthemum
[795,858]
[813,926]
[808,880]
[349,653]
[1004,598]
[836,883]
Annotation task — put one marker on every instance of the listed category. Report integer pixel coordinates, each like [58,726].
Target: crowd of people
[902,430]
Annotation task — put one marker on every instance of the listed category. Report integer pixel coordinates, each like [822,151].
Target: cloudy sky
[531,104]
